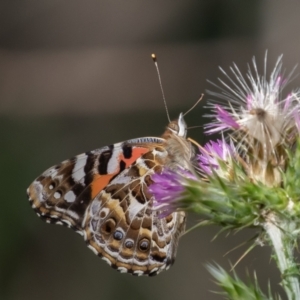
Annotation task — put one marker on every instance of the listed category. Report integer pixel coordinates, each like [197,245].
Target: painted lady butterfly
[103,195]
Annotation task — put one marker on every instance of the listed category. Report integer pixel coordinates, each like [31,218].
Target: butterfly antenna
[194,105]
[193,127]
[161,88]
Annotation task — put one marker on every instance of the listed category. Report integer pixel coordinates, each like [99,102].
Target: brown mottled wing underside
[103,195]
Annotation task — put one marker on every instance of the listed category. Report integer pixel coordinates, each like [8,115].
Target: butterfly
[103,195]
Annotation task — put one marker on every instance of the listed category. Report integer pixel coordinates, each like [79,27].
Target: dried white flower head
[264,123]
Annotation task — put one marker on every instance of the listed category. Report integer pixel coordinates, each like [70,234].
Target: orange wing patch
[101,181]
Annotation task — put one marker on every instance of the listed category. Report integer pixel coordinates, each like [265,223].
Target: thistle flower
[253,179]
[255,104]
[264,123]
[265,126]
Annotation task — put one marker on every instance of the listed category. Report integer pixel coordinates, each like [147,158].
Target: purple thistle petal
[249,100]
[279,81]
[225,121]
[167,189]
[225,117]
[287,102]
[212,153]
[166,186]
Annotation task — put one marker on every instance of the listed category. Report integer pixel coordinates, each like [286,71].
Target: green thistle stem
[283,247]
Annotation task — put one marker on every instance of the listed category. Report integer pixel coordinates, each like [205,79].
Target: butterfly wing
[103,195]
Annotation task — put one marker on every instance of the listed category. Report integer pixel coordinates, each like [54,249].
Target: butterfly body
[103,195]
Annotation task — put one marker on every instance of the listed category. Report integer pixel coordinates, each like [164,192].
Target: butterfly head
[178,127]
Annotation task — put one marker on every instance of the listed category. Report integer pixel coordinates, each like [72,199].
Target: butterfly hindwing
[123,228]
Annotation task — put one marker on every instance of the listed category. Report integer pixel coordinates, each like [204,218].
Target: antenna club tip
[153,56]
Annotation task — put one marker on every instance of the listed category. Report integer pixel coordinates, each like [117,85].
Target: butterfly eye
[118,235]
[174,126]
[144,245]
[108,226]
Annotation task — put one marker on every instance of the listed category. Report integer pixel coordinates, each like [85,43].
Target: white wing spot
[52,172]
[135,207]
[66,222]
[122,270]
[93,249]
[57,195]
[78,173]
[113,163]
[73,215]
[154,270]
[39,190]
[69,196]
[107,260]
[138,272]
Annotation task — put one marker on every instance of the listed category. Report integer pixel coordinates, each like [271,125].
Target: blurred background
[77,75]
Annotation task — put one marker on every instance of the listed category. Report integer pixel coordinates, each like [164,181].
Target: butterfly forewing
[103,195]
